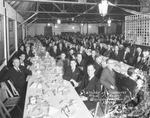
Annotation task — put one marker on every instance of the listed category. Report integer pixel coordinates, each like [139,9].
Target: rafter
[49,12]
[57,6]
[70,2]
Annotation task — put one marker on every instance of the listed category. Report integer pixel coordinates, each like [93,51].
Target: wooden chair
[4,113]
[10,96]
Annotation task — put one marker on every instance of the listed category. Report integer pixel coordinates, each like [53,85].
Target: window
[1,41]
[11,36]
[19,33]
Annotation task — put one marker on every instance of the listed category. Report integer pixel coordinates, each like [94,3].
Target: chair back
[10,96]
[3,111]
[8,90]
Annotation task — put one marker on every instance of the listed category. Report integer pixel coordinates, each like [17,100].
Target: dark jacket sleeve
[67,74]
[103,79]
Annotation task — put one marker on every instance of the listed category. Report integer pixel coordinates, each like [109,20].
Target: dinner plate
[37,112]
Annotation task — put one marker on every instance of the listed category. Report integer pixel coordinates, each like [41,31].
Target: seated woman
[89,86]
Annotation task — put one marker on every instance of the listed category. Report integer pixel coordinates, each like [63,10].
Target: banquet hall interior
[74,58]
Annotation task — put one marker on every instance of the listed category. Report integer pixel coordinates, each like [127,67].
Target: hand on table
[112,87]
[76,84]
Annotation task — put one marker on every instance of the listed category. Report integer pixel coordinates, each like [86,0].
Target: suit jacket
[82,64]
[53,54]
[128,59]
[17,78]
[98,70]
[25,71]
[129,84]
[92,85]
[118,57]
[108,78]
[59,51]
[68,75]
[107,53]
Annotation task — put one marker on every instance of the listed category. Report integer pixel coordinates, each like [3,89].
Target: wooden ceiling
[78,11]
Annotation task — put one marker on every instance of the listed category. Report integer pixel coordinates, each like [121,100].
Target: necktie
[124,55]
[18,70]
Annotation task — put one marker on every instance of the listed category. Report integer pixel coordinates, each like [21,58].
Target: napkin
[52,111]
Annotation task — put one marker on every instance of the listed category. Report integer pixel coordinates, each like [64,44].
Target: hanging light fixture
[72,19]
[48,24]
[73,27]
[103,7]
[109,22]
[55,26]
[58,21]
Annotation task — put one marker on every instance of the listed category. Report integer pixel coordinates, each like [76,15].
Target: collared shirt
[91,77]
[17,69]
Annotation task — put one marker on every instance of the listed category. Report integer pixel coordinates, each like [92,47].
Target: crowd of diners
[82,62]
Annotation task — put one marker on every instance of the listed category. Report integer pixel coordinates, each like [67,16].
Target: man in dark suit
[23,61]
[17,76]
[138,57]
[90,82]
[89,85]
[98,66]
[28,53]
[101,49]
[116,54]
[63,62]
[54,52]
[72,74]
[108,51]
[81,64]
[127,57]
[60,48]
[108,77]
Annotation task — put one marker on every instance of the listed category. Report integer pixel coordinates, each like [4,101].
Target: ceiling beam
[70,2]
[78,19]
[49,12]
[29,18]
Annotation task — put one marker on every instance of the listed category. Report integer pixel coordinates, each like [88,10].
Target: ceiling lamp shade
[58,21]
[48,24]
[109,22]
[81,24]
[103,7]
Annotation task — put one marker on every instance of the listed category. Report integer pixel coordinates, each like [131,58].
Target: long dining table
[48,95]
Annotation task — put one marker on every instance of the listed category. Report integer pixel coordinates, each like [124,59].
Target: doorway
[48,31]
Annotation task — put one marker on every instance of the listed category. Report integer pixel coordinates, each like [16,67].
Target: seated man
[24,62]
[129,83]
[63,62]
[81,63]
[108,76]
[98,66]
[72,73]
[17,76]
[89,86]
